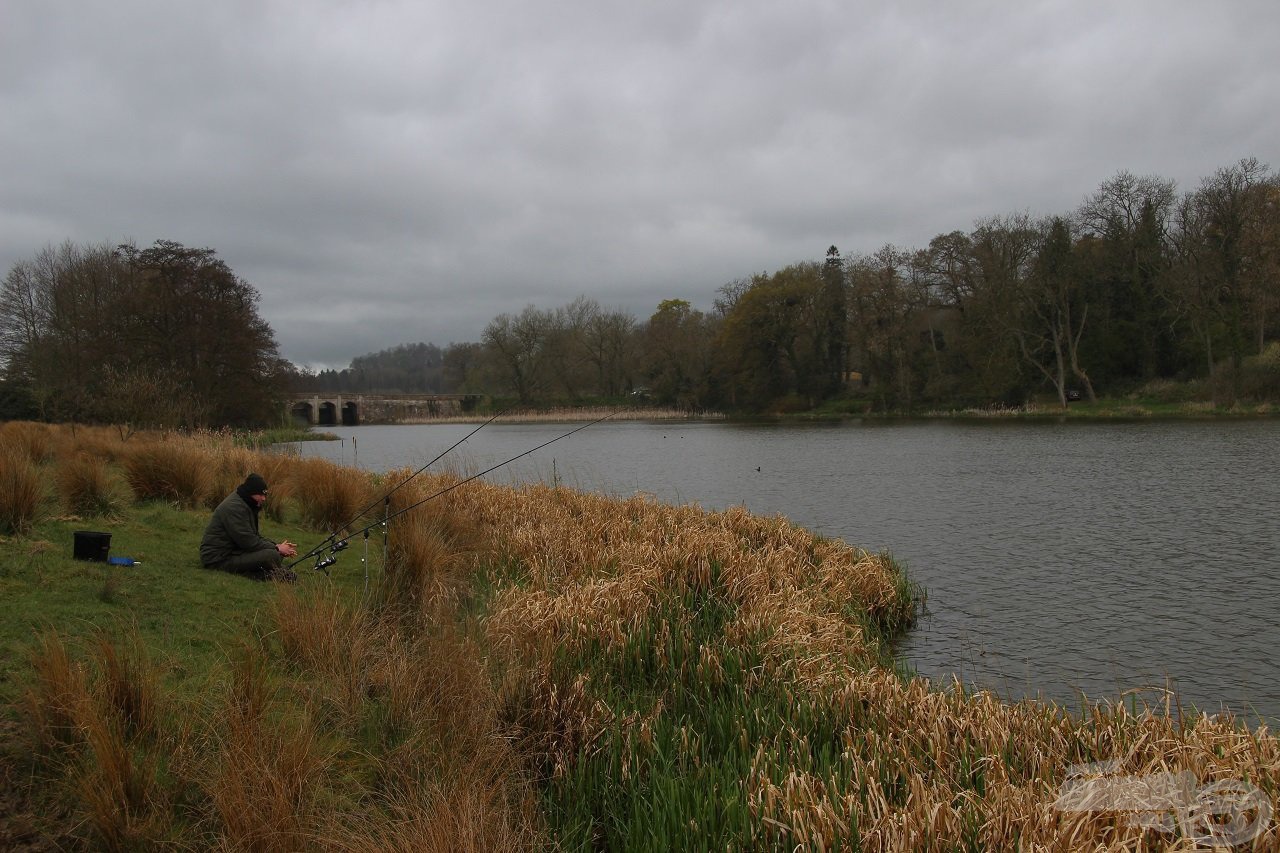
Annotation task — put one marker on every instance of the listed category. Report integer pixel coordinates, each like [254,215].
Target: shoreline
[1102,411]
[641,629]
[565,414]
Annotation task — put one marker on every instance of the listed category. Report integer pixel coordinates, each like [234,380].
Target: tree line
[163,336]
[1139,287]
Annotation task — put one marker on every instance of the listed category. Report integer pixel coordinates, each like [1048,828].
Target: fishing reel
[323,562]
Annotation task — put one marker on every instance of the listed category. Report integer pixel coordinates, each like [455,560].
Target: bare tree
[1053,314]
[517,346]
[608,338]
[1232,208]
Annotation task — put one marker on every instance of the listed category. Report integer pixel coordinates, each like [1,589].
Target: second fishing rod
[336,542]
[324,562]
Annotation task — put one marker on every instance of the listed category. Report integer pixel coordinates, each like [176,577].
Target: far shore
[565,414]
[1102,410]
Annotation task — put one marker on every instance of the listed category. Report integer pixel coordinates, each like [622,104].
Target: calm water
[1058,558]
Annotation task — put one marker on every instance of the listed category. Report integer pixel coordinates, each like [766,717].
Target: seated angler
[232,543]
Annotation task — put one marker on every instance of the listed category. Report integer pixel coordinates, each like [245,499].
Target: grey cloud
[400,171]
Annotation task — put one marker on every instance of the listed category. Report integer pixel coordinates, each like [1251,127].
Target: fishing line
[335,543]
[324,564]
[386,497]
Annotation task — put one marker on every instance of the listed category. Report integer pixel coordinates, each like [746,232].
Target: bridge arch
[334,409]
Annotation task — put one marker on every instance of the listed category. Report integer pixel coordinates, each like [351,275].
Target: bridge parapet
[356,409]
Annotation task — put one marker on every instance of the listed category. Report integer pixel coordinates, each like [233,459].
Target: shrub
[1170,391]
[20,491]
[1260,375]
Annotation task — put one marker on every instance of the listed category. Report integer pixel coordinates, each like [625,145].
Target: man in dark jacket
[232,543]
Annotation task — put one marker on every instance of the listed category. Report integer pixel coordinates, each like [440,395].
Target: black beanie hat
[254,485]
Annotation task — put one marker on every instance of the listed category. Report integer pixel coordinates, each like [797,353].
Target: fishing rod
[332,541]
[323,564]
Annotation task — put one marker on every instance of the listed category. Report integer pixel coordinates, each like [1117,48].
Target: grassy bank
[532,668]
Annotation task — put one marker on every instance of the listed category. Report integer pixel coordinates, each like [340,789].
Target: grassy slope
[186,615]
[189,620]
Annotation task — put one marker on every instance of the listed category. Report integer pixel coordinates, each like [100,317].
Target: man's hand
[287,549]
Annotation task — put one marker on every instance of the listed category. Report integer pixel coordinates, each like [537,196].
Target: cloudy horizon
[393,172]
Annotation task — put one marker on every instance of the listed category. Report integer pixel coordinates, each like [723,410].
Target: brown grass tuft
[56,701]
[265,769]
[118,787]
[85,484]
[172,470]
[128,683]
[328,496]
[433,545]
[21,492]
[322,633]
[232,465]
[33,441]
[474,813]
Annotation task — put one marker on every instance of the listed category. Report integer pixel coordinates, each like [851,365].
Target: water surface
[1058,558]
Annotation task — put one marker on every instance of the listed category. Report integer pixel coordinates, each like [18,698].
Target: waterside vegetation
[529,668]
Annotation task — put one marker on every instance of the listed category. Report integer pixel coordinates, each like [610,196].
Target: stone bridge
[356,409]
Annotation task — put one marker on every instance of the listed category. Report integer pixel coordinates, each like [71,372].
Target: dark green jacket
[232,530]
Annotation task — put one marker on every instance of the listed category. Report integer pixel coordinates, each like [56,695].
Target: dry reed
[86,487]
[34,441]
[264,771]
[917,768]
[21,491]
[175,469]
[329,496]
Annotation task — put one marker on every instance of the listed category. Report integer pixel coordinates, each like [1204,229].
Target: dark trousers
[257,564]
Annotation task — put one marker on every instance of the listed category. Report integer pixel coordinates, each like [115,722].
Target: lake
[1058,558]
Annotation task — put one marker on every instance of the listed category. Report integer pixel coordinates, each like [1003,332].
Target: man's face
[259,499]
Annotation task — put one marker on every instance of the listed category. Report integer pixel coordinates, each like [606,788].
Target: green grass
[198,629]
[186,614]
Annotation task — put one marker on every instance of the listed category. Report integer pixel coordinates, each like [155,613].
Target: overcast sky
[392,172]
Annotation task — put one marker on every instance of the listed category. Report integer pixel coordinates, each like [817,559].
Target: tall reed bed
[686,679]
